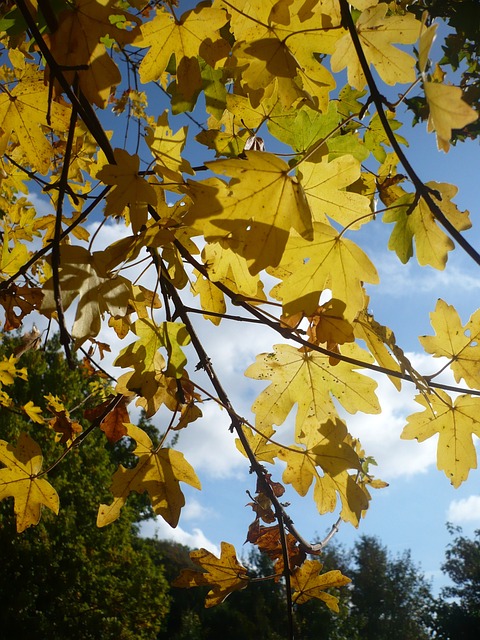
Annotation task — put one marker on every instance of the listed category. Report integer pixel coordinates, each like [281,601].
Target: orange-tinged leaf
[129,189]
[455,422]
[63,425]
[458,343]
[377,32]
[223,575]
[259,207]
[20,480]
[159,472]
[113,425]
[447,111]
[308,582]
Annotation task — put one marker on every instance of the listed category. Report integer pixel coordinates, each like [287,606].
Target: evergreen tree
[391,600]
[66,579]
[458,611]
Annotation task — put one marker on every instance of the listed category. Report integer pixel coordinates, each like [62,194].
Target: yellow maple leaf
[224,575]
[259,207]
[167,148]
[20,480]
[306,378]
[455,422]
[9,371]
[460,344]
[197,32]
[12,259]
[282,46]
[76,42]
[129,189]
[447,111]
[227,266]
[325,185]
[324,458]
[377,32]
[83,274]
[260,445]
[308,582]
[211,298]
[330,261]
[378,338]
[23,113]
[431,243]
[33,412]
[159,472]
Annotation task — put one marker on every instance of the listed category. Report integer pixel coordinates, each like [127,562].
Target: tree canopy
[65,578]
[256,212]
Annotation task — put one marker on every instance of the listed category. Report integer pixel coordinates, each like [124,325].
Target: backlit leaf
[20,480]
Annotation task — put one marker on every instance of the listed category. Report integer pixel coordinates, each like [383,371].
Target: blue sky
[411,513]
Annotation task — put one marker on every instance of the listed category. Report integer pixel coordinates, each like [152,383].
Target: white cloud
[464,510]
[195,539]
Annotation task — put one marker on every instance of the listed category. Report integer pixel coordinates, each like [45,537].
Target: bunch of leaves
[258,237]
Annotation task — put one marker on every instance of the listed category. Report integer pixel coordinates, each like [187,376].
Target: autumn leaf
[23,113]
[195,33]
[447,111]
[129,189]
[458,343]
[211,298]
[455,422]
[260,206]
[12,258]
[113,424]
[167,148]
[20,480]
[64,425]
[378,340]
[223,575]
[9,370]
[33,412]
[159,472]
[18,302]
[308,582]
[377,32]
[414,221]
[330,261]
[324,459]
[307,379]
[83,274]
[77,46]
[325,185]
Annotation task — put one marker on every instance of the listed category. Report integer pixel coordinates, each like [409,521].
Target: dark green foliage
[458,612]
[391,600]
[461,53]
[65,579]
[257,612]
